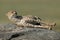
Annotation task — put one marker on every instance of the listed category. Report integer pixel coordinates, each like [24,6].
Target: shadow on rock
[29,34]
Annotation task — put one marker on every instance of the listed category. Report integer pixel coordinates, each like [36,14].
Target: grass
[46,9]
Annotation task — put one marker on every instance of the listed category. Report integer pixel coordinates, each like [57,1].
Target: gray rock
[11,32]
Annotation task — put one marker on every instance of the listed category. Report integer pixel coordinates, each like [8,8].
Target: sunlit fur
[28,20]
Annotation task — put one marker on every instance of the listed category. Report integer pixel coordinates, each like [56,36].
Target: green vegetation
[46,9]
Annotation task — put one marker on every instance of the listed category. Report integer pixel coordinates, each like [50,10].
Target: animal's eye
[12,12]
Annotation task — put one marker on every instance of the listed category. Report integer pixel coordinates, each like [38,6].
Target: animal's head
[11,13]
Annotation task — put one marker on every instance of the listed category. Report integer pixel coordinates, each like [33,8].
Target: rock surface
[11,32]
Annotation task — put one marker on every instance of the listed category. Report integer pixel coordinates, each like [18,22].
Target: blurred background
[48,10]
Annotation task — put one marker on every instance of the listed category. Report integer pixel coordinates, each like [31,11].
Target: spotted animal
[27,21]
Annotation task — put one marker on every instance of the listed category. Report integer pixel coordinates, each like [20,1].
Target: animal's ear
[14,12]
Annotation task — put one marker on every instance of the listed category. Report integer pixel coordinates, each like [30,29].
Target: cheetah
[27,21]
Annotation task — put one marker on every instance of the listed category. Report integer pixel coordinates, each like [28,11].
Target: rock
[11,32]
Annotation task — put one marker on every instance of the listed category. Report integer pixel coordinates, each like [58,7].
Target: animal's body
[26,21]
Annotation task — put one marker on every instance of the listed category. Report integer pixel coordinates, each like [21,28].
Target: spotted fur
[27,21]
